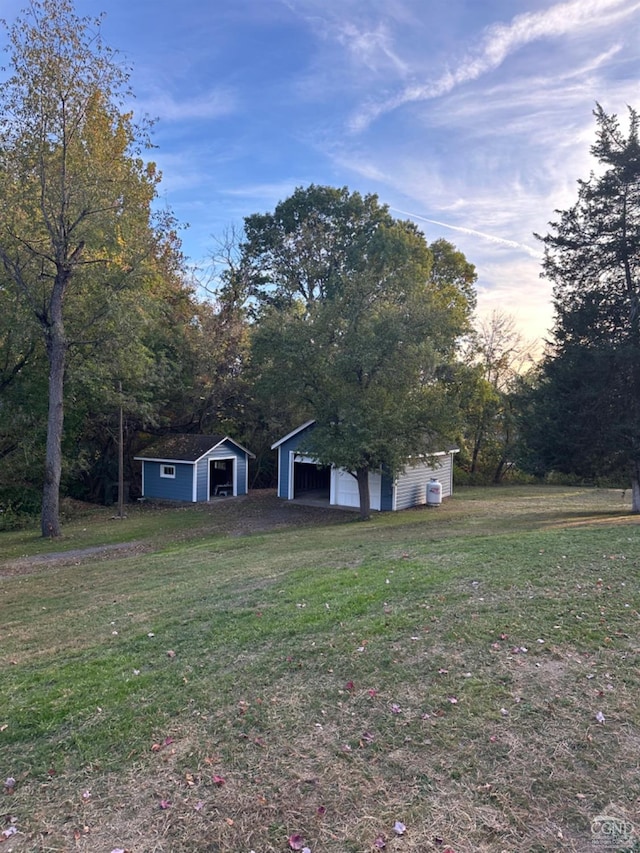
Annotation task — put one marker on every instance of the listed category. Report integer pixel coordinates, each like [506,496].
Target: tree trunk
[635,488]
[500,470]
[362,476]
[56,353]
[476,451]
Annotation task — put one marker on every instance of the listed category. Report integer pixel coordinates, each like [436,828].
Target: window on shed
[168,471]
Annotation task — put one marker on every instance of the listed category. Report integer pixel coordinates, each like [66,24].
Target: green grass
[340,677]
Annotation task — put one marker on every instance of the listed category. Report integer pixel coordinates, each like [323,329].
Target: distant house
[194,468]
[300,476]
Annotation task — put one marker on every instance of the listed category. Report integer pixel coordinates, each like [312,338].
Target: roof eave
[292,433]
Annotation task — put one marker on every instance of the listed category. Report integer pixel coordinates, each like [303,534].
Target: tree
[495,357]
[22,389]
[75,222]
[354,327]
[588,398]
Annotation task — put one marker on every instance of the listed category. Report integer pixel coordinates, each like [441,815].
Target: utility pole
[121,458]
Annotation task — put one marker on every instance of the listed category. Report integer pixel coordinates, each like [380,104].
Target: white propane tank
[434,492]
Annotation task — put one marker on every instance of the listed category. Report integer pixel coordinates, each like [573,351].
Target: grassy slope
[338,678]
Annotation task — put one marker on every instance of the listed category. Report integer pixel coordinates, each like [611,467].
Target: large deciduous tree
[357,317]
[587,402]
[75,196]
[496,356]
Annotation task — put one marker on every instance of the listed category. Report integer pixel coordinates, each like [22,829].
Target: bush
[19,506]
[511,477]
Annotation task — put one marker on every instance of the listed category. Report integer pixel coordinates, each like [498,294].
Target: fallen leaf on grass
[453,700]
[218,780]
[158,746]
[9,785]
[296,841]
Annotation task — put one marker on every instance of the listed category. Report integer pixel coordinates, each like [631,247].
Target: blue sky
[471,117]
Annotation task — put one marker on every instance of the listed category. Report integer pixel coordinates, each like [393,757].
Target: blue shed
[194,468]
[300,476]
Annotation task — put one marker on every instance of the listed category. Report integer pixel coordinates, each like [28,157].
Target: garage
[345,489]
[310,479]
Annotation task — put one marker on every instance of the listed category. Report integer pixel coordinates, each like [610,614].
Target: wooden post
[120,459]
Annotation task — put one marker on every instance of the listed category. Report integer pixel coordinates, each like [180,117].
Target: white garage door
[344,489]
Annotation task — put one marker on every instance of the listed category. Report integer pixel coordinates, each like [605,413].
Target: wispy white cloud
[498,43]
[366,30]
[371,47]
[266,191]
[519,101]
[491,238]
[209,105]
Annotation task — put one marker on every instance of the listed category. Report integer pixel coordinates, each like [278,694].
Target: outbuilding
[300,476]
[194,468]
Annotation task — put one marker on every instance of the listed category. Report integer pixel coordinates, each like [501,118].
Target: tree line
[327,307]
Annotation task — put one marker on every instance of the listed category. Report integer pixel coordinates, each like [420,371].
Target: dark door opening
[220,478]
[311,480]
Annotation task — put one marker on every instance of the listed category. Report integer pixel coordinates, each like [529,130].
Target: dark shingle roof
[183,448]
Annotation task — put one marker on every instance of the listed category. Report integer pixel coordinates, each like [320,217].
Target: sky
[472,118]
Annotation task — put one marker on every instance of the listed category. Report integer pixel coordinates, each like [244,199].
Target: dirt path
[24,565]
[254,513]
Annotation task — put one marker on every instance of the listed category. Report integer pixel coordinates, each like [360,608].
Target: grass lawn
[455,679]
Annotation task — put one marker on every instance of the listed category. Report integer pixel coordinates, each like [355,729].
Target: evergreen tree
[586,404]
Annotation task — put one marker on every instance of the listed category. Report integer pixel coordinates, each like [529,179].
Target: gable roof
[449,448]
[292,433]
[186,447]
